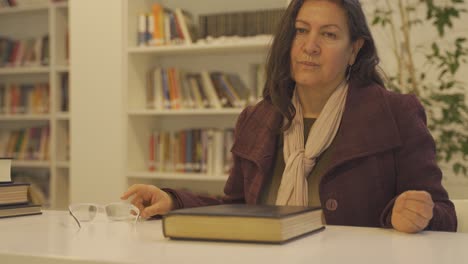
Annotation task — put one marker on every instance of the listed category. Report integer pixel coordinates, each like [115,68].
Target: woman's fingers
[151,210]
[412,211]
[131,191]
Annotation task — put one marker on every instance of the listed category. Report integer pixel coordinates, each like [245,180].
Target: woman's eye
[330,35]
[301,31]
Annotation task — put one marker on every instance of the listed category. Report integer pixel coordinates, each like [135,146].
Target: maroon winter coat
[383,148]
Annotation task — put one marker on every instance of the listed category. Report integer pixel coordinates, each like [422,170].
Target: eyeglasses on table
[86,212]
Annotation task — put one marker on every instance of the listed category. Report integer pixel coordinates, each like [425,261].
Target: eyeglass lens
[119,212]
[85,212]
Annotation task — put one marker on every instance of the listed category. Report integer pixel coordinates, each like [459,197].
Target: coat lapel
[257,136]
[367,126]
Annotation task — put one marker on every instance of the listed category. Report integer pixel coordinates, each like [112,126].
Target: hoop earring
[348,72]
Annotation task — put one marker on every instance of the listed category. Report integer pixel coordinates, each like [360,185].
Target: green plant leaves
[443,96]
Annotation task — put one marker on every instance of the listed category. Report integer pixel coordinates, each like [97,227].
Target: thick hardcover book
[13,193]
[241,222]
[19,210]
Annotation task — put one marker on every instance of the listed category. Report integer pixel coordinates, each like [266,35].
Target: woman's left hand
[412,211]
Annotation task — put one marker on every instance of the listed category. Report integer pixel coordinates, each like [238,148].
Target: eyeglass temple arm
[136,210]
[74,217]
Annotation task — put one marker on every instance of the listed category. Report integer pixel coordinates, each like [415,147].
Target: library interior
[99,95]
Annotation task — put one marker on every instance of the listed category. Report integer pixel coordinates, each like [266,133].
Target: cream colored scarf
[301,160]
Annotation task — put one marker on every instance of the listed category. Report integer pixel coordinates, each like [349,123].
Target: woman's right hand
[149,199]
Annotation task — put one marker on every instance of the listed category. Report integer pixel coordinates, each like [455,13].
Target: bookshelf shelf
[63,164]
[19,117]
[175,176]
[24,70]
[30,164]
[185,112]
[241,45]
[23,9]
[62,68]
[62,116]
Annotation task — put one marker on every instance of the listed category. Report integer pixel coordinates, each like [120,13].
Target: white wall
[97,109]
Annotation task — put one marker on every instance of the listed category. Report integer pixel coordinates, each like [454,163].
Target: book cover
[238,84]
[209,89]
[5,170]
[157,89]
[241,222]
[221,93]
[19,210]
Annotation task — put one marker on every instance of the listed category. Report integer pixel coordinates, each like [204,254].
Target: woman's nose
[311,45]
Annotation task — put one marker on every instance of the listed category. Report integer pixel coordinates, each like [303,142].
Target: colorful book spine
[158,34]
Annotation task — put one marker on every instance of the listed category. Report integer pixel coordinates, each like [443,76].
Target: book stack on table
[14,196]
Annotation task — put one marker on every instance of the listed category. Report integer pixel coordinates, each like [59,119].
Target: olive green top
[270,189]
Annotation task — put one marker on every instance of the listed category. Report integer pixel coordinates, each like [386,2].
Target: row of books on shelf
[24,98]
[163,26]
[172,88]
[25,144]
[25,52]
[196,150]
[243,23]
[15,197]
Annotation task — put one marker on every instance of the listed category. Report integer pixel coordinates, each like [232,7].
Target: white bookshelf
[29,22]
[234,56]
[108,113]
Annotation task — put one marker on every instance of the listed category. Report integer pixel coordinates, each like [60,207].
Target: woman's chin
[308,83]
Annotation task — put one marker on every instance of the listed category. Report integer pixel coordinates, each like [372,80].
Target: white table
[54,238]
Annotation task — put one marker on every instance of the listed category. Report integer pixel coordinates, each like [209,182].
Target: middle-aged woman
[328,133]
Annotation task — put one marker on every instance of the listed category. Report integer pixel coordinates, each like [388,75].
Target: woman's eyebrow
[302,21]
[323,26]
[331,25]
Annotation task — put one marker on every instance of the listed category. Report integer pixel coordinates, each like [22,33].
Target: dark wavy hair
[279,84]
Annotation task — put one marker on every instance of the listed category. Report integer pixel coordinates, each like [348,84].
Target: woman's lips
[309,63]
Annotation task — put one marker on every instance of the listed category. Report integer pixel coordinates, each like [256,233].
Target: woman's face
[321,49]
